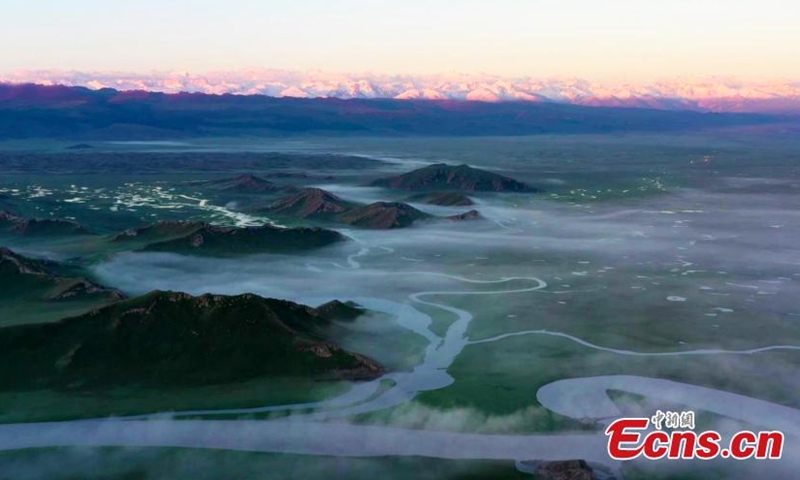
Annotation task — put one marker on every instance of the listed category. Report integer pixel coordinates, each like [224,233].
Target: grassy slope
[27,298]
[173,339]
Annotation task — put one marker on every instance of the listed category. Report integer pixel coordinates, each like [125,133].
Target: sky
[593,39]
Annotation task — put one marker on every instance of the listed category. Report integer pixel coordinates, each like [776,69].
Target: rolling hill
[441,176]
[168,338]
[310,203]
[383,215]
[324,206]
[199,238]
[43,291]
[243,183]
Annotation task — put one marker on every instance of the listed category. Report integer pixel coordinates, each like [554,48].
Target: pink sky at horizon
[254,72]
[616,41]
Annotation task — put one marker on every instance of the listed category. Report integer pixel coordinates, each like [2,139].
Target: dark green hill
[167,338]
[42,291]
[441,176]
[205,239]
[158,232]
[58,280]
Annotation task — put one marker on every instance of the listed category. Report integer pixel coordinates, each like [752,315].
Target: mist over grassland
[647,244]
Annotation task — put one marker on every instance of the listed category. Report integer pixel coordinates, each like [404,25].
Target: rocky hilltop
[206,239]
[318,204]
[243,183]
[310,203]
[383,215]
[441,176]
[168,338]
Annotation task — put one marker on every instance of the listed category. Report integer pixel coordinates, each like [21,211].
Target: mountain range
[82,114]
[717,94]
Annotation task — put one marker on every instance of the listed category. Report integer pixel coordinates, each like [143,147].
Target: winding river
[313,433]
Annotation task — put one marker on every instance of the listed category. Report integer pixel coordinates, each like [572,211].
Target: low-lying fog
[735,247]
[698,284]
[714,269]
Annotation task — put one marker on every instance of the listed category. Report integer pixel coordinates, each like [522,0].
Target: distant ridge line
[35,111]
